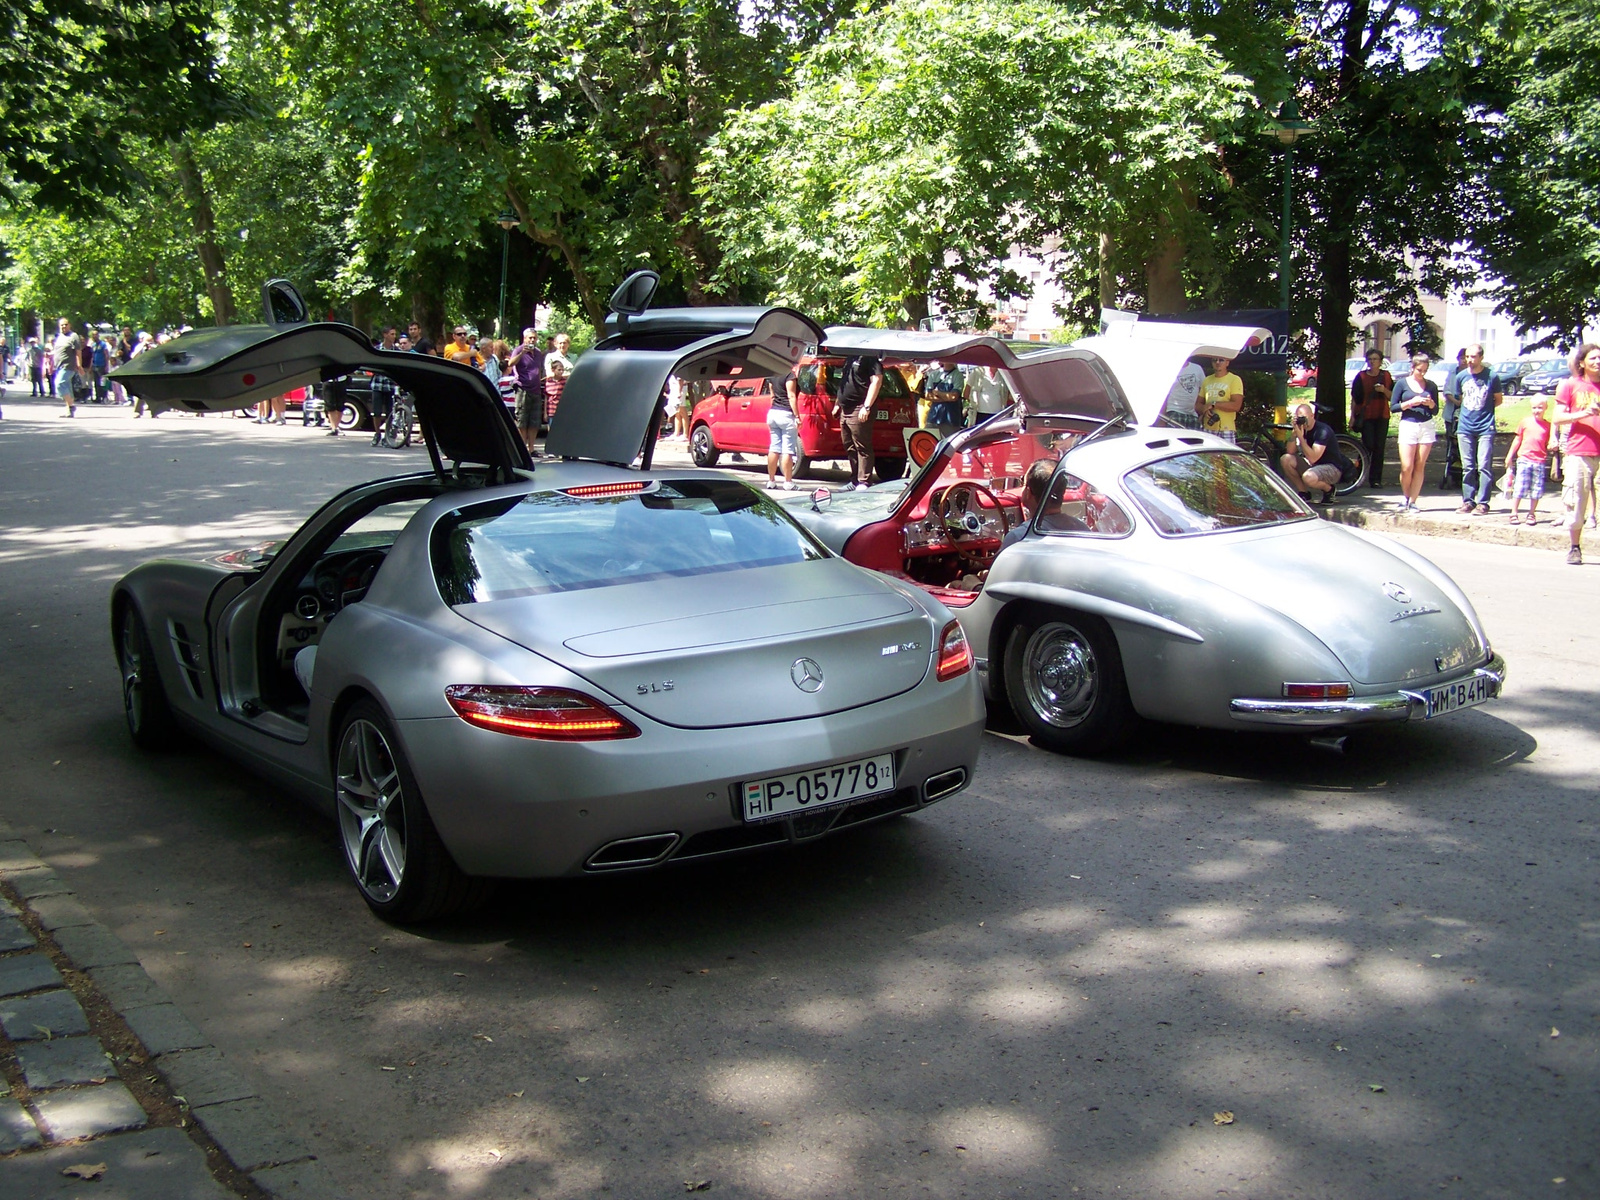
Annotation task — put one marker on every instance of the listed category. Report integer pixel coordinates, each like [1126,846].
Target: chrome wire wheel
[372,814]
[1060,674]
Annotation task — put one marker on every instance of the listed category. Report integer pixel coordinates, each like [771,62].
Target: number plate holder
[779,796]
[1464,693]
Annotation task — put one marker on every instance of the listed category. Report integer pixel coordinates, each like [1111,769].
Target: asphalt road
[1384,964]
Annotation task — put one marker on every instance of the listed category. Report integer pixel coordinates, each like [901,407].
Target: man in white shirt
[1183,401]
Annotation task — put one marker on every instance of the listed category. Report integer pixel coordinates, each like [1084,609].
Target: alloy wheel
[133,667]
[372,817]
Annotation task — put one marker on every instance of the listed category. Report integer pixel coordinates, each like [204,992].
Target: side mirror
[634,294]
[820,499]
[282,304]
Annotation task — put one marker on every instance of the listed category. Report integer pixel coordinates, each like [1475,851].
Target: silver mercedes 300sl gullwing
[1164,573]
[496,669]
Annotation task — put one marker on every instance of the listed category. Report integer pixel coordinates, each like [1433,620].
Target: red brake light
[608,489]
[1316,691]
[548,714]
[955,656]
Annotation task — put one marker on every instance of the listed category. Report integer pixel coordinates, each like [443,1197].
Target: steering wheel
[957,509]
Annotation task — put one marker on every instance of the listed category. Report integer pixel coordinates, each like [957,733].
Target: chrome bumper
[1361,710]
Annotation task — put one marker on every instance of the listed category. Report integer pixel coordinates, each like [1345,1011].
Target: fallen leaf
[697,1185]
[45,1030]
[1374,1087]
[1338,1047]
[705,970]
[1435,956]
[583,1079]
[246,945]
[1554,1032]
[1074,876]
[1559,1179]
[160,932]
[497,1155]
[516,1095]
[459,974]
[962,1149]
[1468,979]
[379,991]
[482,1037]
[766,1124]
[1222,1118]
[84,1171]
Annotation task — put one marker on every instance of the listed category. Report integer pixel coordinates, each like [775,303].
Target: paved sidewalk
[1379,509]
[105,1087]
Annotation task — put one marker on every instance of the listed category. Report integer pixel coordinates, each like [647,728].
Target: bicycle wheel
[1262,447]
[1355,454]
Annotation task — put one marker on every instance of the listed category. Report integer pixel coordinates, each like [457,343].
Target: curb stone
[261,1158]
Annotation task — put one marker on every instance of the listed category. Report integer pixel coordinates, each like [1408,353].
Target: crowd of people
[1553,444]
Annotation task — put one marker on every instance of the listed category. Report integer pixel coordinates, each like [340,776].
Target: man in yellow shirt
[460,350]
[1222,396]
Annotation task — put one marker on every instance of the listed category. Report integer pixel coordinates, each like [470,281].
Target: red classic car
[734,418]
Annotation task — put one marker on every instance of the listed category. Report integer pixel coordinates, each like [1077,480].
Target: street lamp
[1288,128]
[507,220]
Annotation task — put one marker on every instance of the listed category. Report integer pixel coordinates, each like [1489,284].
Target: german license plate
[1450,697]
[782,795]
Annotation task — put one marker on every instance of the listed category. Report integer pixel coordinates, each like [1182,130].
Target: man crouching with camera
[1313,464]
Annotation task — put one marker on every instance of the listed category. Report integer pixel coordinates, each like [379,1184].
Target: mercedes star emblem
[807,675]
[1397,593]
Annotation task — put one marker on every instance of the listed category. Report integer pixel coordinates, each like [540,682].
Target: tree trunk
[201,214]
[1163,278]
[1108,272]
[1333,332]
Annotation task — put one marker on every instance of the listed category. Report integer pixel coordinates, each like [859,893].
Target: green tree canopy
[926,138]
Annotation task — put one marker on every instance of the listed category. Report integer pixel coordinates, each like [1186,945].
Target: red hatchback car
[734,418]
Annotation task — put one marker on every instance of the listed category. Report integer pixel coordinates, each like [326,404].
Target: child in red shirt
[1528,458]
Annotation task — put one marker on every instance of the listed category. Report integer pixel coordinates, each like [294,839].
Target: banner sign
[1272,355]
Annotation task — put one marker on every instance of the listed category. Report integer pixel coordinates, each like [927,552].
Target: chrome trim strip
[1404,705]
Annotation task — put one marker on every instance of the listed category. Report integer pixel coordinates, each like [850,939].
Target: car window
[556,542]
[1077,507]
[894,383]
[1001,465]
[1207,491]
[379,527]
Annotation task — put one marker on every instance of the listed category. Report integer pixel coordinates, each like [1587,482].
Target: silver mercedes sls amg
[500,669]
[1160,572]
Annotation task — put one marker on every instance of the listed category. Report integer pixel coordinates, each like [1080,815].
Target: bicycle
[1272,443]
[402,416]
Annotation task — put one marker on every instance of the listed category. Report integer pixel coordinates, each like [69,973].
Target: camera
[1301,422]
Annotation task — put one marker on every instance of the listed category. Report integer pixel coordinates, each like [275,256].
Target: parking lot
[1216,964]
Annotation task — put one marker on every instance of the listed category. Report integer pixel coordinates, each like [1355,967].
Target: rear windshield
[556,542]
[1211,490]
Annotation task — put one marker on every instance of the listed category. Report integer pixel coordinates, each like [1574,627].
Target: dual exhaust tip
[653,848]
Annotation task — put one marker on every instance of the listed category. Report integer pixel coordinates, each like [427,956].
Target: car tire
[890,469]
[703,447]
[144,700]
[802,467]
[1064,679]
[385,829]
[353,416]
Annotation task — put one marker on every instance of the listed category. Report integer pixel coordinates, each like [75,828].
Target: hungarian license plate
[782,795]
[1449,697]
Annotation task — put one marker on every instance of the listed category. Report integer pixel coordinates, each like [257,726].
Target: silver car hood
[1385,617]
[717,650]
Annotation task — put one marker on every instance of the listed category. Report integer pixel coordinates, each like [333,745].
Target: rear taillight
[1316,691]
[955,656]
[546,713]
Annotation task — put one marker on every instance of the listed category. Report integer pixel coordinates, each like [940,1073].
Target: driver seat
[305,663]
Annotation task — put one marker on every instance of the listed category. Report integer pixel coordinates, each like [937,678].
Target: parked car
[1546,377]
[1303,376]
[486,670]
[1513,372]
[1168,575]
[734,418]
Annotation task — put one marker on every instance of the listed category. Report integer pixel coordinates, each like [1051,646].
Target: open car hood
[1125,372]
[609,407]
[460,412]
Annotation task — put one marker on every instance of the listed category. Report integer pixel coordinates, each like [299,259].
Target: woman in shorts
[1416,399]
[783,435]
